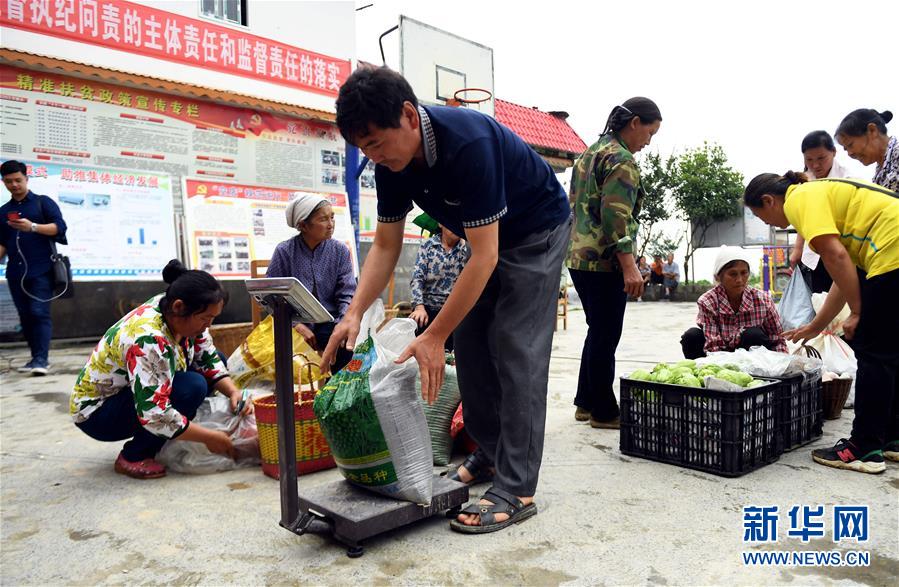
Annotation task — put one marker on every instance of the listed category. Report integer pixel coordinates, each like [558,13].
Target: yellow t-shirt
[866,221]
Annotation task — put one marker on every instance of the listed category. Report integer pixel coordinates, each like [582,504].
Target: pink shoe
[145,469]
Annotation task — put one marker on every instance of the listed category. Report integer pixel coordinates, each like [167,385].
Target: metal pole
[351,180]
[287,441]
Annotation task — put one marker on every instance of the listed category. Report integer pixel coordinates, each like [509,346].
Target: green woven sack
[440,415]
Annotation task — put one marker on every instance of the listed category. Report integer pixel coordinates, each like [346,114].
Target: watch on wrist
[34,227]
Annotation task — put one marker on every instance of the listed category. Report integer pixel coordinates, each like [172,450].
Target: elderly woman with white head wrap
[321,263]
[733,314]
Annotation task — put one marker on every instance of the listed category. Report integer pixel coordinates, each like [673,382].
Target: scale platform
[352,514]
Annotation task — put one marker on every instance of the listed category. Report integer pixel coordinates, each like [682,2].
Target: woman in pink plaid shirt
[733,315]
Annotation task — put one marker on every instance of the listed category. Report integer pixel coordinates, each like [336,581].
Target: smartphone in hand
[14,215]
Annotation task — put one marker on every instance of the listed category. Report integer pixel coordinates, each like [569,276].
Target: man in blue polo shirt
[480,180]
[28,224]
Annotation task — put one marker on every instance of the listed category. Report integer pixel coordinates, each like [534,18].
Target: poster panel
[229,224]
[120,224]
[51,117]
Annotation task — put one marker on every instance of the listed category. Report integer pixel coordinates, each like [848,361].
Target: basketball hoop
[460,97]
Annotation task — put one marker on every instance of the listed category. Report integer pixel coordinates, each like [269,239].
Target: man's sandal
[478,466]
[503,502]
[481,471]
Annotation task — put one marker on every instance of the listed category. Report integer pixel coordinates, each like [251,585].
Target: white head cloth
[727,254]
[301,207]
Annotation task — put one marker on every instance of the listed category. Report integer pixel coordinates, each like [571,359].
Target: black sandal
[478,466]
[503,502]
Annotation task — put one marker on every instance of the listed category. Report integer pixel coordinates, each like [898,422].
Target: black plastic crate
[720,432]
[801,409]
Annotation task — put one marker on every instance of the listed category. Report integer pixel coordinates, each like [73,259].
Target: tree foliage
[657,177]
[705,189]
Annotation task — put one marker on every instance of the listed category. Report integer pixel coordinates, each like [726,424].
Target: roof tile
[538,128]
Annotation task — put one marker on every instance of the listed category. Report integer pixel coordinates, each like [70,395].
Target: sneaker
[27,367]
[607,424]
[891,451]
[843,456]
[145,469]
[39,367]
[581,415]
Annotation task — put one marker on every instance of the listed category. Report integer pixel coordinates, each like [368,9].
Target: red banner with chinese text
[126,26]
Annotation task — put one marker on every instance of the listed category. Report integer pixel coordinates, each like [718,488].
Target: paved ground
[605,518]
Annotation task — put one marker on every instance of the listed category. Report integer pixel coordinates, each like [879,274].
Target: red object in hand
[13,215]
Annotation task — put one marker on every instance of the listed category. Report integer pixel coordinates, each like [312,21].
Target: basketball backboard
[438,63]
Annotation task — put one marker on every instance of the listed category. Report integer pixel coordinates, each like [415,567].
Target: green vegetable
[756,383]
[737,377]
[641,375]
[688,381]
[686,363]
[664,376]
[659,367]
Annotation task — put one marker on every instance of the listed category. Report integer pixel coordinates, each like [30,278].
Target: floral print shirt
[435,272]
[140,353]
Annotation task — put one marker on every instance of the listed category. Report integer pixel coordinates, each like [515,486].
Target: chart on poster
[228,225]
[120,224]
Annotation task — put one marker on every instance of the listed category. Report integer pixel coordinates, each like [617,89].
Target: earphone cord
[22,282]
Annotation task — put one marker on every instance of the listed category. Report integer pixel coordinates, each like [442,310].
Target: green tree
[706,189]
[657,176]
[662,244]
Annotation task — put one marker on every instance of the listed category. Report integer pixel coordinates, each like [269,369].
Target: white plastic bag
[761,362]
[402,418]
[184,456]
[795,307]
[838,357]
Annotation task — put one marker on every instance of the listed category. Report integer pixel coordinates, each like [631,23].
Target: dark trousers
[817,279]
[877,351]
[323,334]
[37,326]
[432,312]
[603,298]
[116,418]
[502,357]
[692,342]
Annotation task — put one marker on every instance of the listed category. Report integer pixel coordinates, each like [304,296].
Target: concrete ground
[605,518]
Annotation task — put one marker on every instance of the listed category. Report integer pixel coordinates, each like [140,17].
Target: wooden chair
[562,309]
[256,309]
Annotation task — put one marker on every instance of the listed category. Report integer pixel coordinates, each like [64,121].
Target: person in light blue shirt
[671,275]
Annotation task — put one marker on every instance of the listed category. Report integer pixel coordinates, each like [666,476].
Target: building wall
[322,27]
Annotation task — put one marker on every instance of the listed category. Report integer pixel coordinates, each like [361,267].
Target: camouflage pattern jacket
[606,196]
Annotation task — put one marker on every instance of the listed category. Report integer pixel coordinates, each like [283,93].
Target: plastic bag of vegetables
[372,418]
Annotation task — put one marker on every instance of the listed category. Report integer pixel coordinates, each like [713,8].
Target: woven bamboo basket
[835,392]
[227,337]
[313,452]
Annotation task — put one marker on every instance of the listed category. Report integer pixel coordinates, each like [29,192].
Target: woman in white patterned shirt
[440,261]
[863,133]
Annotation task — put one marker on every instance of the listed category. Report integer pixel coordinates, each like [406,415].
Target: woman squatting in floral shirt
[151,371]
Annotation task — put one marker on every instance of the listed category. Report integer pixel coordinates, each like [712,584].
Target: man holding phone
[30,223]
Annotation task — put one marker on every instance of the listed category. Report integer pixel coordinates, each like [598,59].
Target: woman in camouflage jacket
[606,196]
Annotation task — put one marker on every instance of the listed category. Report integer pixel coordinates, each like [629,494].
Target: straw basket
[835,392]
[227,337]
[313,452]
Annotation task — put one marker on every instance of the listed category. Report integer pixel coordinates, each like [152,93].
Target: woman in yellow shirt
[854,226]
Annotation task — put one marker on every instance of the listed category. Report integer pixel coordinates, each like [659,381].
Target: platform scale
[347,513]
